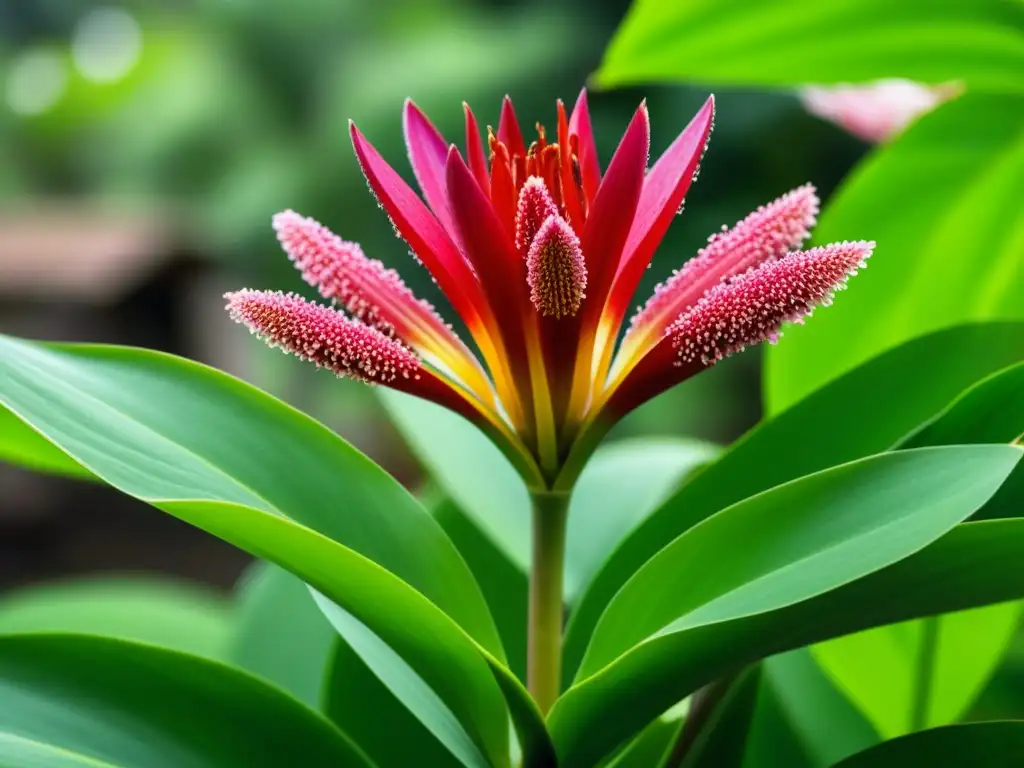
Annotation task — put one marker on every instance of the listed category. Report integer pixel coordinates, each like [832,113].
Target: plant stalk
[544,639]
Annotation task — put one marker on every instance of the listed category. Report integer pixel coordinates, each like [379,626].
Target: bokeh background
[145,145]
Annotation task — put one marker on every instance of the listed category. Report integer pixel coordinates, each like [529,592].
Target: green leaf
[406,686]
[927,673]
[651,745]
[979,745]
[229,459]
[793,42]
[505,585]
[920,673]
[824,723]
[833,425]
[783,548]
[280,634]
[619,487]
[162,612]
[23,446]
[948,249]
[722,739]
[78,700]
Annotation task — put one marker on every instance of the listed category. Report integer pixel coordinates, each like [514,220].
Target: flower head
[540,251]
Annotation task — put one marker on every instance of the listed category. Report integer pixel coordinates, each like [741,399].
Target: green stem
[925,672]
[544,644]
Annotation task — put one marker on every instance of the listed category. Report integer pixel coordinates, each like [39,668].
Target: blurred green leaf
[816,716]
[722,739]
[929,671]
[77,700]
[650,746]
[746,565]
[158,611]
[793,42]
[979,745]
[835,424]
[943,203]
[218,454]
[280,634]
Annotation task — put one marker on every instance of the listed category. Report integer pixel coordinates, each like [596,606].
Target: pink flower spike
[750,309]
[556,272]
[753,308]
[322,336]
[768,233]
[534,208]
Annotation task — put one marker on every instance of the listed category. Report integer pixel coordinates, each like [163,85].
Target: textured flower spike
[732,315]
[768,233]
[539,250]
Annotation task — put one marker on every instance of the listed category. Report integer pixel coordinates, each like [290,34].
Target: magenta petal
[428,152]
[475,150]
[664,189]
[509,133]
[613,209]
[590,165]
[420,229]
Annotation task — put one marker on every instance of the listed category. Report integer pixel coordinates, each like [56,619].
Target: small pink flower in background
[875,111]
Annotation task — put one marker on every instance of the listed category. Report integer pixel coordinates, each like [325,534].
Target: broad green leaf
[158,611]
[921,673]
[924,674]
[505,585]
[722,739]
[23,446]
[748,564]
[943,203]
[167,428]
[200,445]
[831,426]
[280,634]
[978,745]
[793,42]
[78,700]
[825,725]
[619,487]
[773,740]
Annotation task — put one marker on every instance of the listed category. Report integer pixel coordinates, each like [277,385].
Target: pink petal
[475,150]
[421,230]
[508,129]
[428,152]
[579,124]
[664,189]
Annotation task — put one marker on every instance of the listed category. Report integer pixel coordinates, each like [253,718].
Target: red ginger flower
[540,253]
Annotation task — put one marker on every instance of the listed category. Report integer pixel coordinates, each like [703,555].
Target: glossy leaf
[835,424]
[131,418]
[78,700]
[23,446]
[979,745]
[792,42]
[923,674]
[280,634]
[620,486]
[788,547]
[971,152]
[158,611]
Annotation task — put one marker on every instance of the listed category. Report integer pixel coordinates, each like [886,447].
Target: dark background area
[144,147]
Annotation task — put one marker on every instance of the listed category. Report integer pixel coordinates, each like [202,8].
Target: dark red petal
[414,222]
[428,152]
[663,192]
[613,209]
[579,124]
[491,250]
[475,150]
[508,129]
[573,204]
